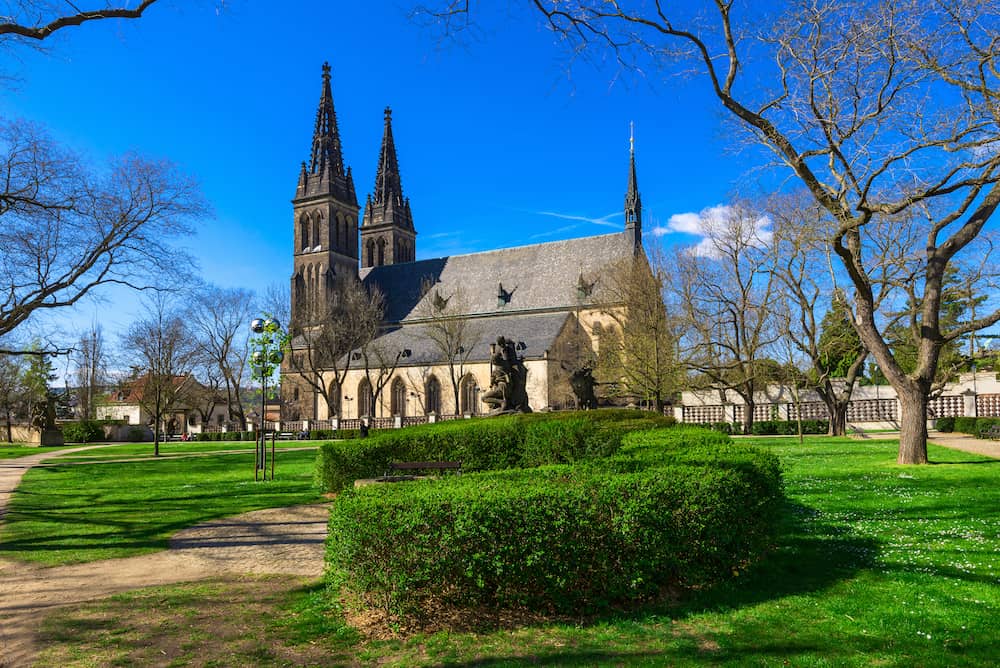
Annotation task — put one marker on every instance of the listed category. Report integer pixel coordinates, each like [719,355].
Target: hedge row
[672,508]
[227,436]
[515,441]
[771,427]
[966,425]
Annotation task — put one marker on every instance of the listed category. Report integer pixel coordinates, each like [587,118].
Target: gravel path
[277,540]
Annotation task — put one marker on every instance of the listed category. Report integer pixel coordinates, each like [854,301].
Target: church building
[441,315]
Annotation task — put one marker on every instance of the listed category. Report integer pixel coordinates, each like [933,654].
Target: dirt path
[966,443]
[273,541]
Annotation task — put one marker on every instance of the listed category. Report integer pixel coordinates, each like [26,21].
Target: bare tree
[449,331]
[40,20]
[218,319]
[880,109]
[161,348]
[91,370]
[67,229]
[337,340]
[724,290]
[641,353]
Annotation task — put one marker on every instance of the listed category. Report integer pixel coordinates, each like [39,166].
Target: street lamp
[975,392]
[265,359]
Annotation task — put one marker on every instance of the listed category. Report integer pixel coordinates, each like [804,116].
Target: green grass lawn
[877,564]
[129,450]
[13,451]
[73,513]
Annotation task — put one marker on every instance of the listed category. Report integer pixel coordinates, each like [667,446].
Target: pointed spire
[388,183]
[324,173]
[326,153]
[633,202]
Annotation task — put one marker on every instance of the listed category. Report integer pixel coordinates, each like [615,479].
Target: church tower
[633,202]
[387,233]
[325,210]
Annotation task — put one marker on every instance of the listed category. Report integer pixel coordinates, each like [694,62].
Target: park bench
[991,432]
[286,436]
[400,471]
[173,437]
[858,431]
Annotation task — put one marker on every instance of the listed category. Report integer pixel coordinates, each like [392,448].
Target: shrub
[483,444]
[945,424]
[673,508]
[83,431]
[984,423]
[965,425]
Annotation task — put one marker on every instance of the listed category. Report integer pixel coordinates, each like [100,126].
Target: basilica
[441,315]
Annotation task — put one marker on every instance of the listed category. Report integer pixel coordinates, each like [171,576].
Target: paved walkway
[966,443]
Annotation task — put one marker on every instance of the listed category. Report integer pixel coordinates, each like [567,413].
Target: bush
[673,508]
[483,444]
[83,431]
[965,425]
[984,423]
[789,427]
[945,424]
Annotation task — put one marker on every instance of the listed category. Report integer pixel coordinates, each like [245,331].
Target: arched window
[366,401]
[381,251]
[398,398]
[333,405]
[335,239]
[303,233]
[371,253]
[432,394]
[469,395]
[315,234]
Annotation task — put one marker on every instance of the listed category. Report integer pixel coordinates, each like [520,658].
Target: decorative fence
[862,410]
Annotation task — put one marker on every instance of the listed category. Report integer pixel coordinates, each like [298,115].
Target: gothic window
[295,394]
[348,226]
[333,406]
[398,398]
[304,232]
[315,235]
[469,395]
[366,401]
[371,253]
[381,251]
[432,394]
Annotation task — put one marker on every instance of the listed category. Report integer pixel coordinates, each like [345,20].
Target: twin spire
[325,174]
[387,206]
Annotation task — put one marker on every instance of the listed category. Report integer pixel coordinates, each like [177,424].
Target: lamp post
[267,355]
[975,392]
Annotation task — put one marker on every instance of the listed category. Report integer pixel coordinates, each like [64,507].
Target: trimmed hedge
[672,508]
[513,441]
[945,424]
[789,427]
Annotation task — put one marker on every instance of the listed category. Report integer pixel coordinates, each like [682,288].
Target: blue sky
[500,143]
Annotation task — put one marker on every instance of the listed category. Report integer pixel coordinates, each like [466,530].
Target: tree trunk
[748,406]
[10,428]
[838,416]
[913,427]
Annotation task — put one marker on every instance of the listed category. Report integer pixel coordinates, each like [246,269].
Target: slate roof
[540,277]
[537,331]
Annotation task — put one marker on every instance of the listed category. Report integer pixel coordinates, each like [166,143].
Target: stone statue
[44,422]
[508,380]
[582,381]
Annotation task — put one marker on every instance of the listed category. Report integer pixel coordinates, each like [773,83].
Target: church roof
[538,333]
[537,277]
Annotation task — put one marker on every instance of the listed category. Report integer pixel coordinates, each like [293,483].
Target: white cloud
[718,226]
